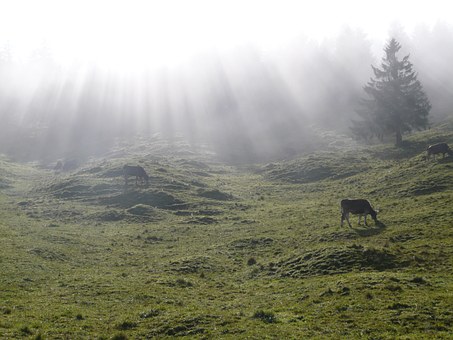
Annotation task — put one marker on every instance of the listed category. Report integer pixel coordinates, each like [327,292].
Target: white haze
[137,34]
[250,77]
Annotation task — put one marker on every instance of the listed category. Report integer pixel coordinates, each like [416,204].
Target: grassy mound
[215,195]
[158,199]
[195,264]
[144,213]
[336,261]
[108,216]
[324,165]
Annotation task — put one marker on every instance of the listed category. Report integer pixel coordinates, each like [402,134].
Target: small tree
[395,102]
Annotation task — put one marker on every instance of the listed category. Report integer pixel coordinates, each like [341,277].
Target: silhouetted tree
[396,102]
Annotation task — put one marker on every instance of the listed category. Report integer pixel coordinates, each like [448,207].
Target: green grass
[214,251]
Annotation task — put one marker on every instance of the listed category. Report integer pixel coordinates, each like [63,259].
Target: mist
[250,102]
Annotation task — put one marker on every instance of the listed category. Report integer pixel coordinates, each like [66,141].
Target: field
[209,250]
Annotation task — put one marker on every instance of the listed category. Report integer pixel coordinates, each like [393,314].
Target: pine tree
[395,102]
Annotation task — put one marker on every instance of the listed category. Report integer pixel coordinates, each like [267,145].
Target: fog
[251,94]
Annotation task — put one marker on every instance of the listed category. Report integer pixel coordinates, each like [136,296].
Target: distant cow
[435,149]
[359,207]
[66,165]
[136,171]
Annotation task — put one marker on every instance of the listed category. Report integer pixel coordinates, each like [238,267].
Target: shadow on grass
[447,159]
[375,230]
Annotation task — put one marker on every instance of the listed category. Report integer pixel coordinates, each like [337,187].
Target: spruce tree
[395,101]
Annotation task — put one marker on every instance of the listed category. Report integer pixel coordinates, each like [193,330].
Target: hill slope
[214,251]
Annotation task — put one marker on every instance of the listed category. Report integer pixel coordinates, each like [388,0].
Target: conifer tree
[396,102]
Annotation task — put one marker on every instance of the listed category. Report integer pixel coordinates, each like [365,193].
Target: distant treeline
[248,103]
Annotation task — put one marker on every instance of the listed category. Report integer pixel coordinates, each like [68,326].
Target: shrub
[183,283]
[267,317]
[251,261]
[126,325]
[26,330]
[119,337]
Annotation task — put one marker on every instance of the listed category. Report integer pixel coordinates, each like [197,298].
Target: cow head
[373,214]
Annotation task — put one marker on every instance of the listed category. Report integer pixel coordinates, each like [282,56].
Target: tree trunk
[399,138]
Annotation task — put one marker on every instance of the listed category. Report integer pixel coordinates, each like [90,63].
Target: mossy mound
[192,327]
[215,195]
[335,261]
[144,213]
[141,210]
[202,220]
[75,188]
[158,199]
[194,264]
[48,254]
[324,165]
[4,183]
[109,216]
[251,243]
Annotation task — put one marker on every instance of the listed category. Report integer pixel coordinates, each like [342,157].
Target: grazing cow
[67,165]
[136,171]
[359,207]
[438,148]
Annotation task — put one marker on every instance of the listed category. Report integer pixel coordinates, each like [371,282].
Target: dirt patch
[335,261]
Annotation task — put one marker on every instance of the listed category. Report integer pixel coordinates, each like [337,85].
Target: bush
[251,261]
[267,317]
[126,325]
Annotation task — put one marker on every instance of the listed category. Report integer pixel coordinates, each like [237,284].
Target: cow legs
[364,219]
[343,217]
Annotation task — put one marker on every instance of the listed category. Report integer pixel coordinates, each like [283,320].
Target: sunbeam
[249,77]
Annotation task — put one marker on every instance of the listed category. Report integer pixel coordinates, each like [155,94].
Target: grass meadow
[215,251]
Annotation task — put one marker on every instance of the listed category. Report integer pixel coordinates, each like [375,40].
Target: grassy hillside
[208,250]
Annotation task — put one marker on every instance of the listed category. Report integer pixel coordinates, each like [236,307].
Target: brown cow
[137,171]
[359,207]
[435,149]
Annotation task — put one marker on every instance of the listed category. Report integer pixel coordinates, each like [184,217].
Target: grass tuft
[265,316]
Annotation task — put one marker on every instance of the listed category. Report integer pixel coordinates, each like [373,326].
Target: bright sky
[138,33]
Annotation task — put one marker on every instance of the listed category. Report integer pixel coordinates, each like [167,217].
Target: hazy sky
[134,34]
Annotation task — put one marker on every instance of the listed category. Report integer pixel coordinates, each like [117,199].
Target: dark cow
[435,149]
[137,171]
[66,165]
[359,207]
